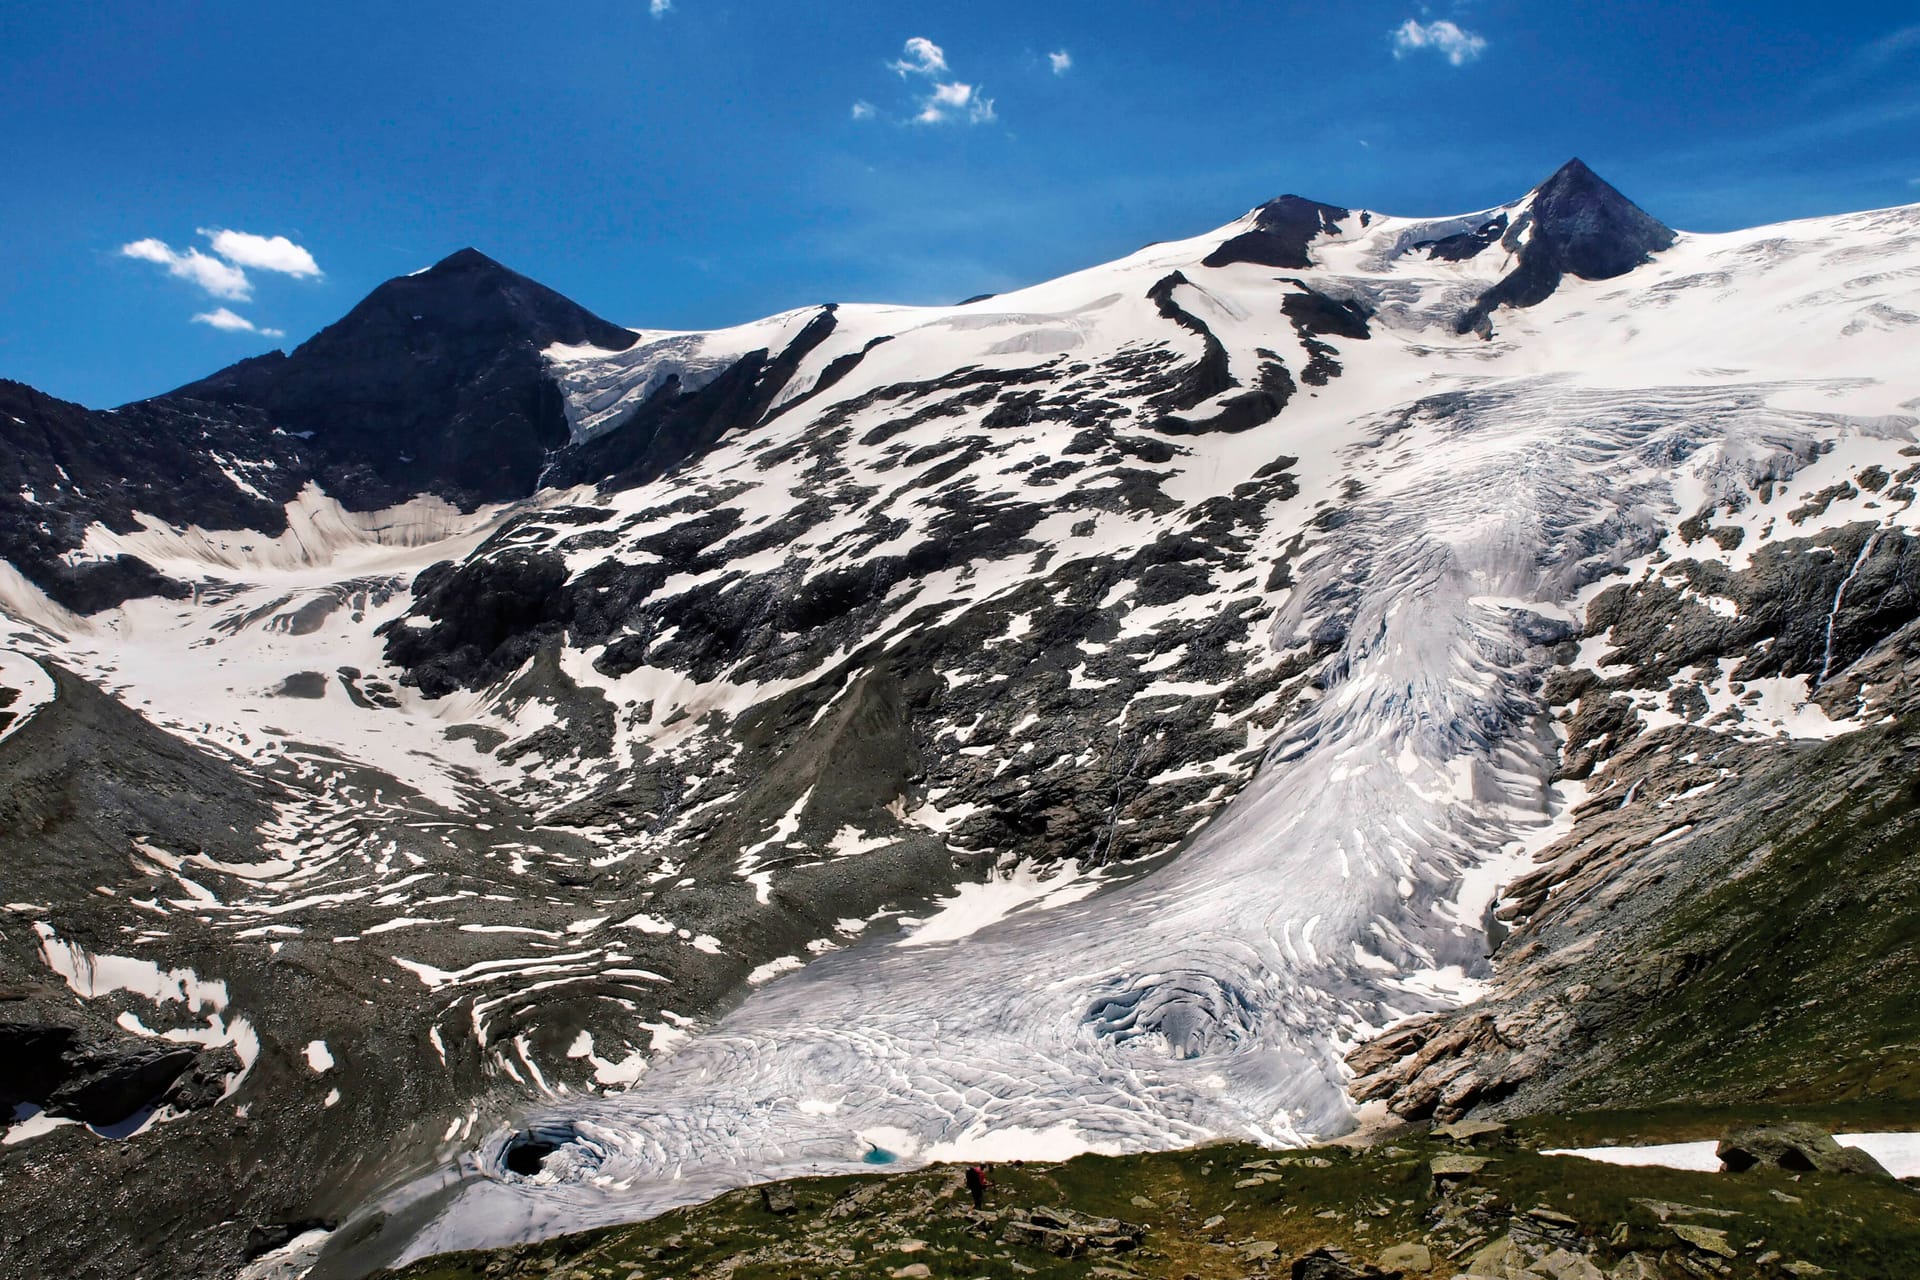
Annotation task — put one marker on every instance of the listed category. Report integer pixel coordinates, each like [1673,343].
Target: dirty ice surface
[1217,995]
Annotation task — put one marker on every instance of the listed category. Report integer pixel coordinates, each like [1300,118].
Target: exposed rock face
[64,467]
[1576,225]
[869,621]
[676,424]
[1720,873]
[1334,1264]
[69,1063]
[1796,1148]
[1069,1234]
[433,384]
[1281,233]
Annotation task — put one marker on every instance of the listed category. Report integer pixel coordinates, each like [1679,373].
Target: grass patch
[1210,1210]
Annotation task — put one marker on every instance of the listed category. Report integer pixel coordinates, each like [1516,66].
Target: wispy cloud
[923,58]
[1888,48]
[1451,41]
[660,8]
[265,253]
[1869,60]
[863,111]
[942,101]
[231,322]
[220,279]
[1061,61]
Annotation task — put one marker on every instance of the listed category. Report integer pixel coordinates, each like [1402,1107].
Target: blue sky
[709,161]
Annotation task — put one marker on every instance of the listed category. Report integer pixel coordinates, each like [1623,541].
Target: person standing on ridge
[977,1183]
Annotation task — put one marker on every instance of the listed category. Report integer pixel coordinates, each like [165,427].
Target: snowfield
[1460,499]
[1484,490]
[1898,1153]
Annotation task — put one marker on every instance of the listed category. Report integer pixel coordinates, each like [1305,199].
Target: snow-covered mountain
[626,764]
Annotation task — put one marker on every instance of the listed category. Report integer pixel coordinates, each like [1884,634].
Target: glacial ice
[1215,996]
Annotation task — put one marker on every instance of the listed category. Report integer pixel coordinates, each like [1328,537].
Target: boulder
[1564,1264]
[1450,1172]
[1502,1257]
[1032,1235]
[1333,1264]
[1797,1148]
[1706,1239]
[777,1197]
[1413,1257]
[1469,1133]
[1068,1234]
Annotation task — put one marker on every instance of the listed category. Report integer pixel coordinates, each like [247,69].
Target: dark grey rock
[1578,225]
[1334,1264]
[1796,1148]
[1281,233]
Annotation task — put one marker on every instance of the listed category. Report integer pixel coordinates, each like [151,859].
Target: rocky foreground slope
[1471,1200]
[571,771]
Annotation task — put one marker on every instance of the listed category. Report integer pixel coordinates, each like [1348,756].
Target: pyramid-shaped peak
[467,259]
[1589,228]
[469,293]
[1574,170]
[1575,223]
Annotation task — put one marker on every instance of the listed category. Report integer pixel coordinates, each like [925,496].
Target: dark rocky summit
[1577,224]
[1281,232]
[433,384]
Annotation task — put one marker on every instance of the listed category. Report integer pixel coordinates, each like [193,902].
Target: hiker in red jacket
[977,1183]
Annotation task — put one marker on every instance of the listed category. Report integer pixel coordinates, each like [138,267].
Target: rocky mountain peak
[1592,230]
[1575,223]
[433,383]
[1282,230]
[464,299]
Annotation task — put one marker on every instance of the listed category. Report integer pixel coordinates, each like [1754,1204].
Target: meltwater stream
[1215,996]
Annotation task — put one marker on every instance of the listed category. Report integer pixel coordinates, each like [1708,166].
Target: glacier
[1215,996]
[1461,496]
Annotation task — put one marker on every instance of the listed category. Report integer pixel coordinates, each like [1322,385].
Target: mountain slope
[1123,696]
[433,384]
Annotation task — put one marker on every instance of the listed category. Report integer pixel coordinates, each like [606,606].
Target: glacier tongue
[1216,995]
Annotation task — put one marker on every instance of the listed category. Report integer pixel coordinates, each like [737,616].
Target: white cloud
[1454,43]
[1061,61]
[220,279]
[924,58]
[955,100]
[659,8]
[267,253]
[943,101]
[229,322]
